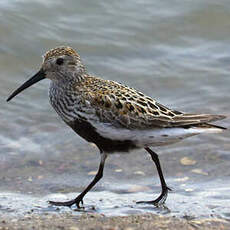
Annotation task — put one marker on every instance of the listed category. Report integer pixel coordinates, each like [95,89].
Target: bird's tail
[210,128]
[201,123]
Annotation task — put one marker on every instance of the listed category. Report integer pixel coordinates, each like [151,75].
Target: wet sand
[99,221]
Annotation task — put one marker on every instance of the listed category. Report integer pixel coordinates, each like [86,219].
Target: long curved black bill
[40,75]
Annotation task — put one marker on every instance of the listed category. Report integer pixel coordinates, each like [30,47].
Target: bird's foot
[78,200]
[160,200]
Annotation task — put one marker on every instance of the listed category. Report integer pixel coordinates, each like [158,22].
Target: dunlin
[114,117]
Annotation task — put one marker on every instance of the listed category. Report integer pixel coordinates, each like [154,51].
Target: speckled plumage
[129,108]
[114,117]
[116,111]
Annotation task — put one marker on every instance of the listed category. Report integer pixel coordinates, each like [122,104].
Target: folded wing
[125,107]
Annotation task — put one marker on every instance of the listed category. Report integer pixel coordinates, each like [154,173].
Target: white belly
[149,137]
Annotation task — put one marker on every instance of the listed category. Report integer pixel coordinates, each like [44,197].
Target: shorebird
[115,117]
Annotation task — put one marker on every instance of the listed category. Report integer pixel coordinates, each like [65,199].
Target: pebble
[73,228]
[199,171]
[182,179]
[139,173]
[189,190]
[118,170]
[92,173]
[187,161]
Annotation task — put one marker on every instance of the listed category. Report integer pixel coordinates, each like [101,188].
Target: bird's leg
[164,193]
[79,198]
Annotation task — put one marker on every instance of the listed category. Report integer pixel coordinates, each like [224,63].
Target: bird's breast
[65,103]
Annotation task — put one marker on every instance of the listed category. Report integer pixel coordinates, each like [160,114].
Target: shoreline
[96,221]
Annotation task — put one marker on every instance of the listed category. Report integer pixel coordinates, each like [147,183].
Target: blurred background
[177,52]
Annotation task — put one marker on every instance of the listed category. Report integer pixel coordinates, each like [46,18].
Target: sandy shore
[100,222]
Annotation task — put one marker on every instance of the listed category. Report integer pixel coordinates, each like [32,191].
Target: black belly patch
[84,129]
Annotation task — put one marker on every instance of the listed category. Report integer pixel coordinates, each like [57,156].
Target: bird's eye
[59,61]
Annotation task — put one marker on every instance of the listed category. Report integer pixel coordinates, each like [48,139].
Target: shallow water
[177,52]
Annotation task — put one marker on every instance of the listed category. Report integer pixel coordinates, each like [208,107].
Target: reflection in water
[177,54]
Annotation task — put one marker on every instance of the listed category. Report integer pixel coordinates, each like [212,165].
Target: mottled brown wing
[126,107]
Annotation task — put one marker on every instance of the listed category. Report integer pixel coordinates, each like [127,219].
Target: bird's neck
[68,85]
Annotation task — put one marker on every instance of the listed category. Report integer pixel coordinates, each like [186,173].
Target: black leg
[79,198]
[164,193]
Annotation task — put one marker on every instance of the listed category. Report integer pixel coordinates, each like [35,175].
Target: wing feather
[123,106]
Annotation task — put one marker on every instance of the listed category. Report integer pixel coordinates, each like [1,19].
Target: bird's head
[62,64]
